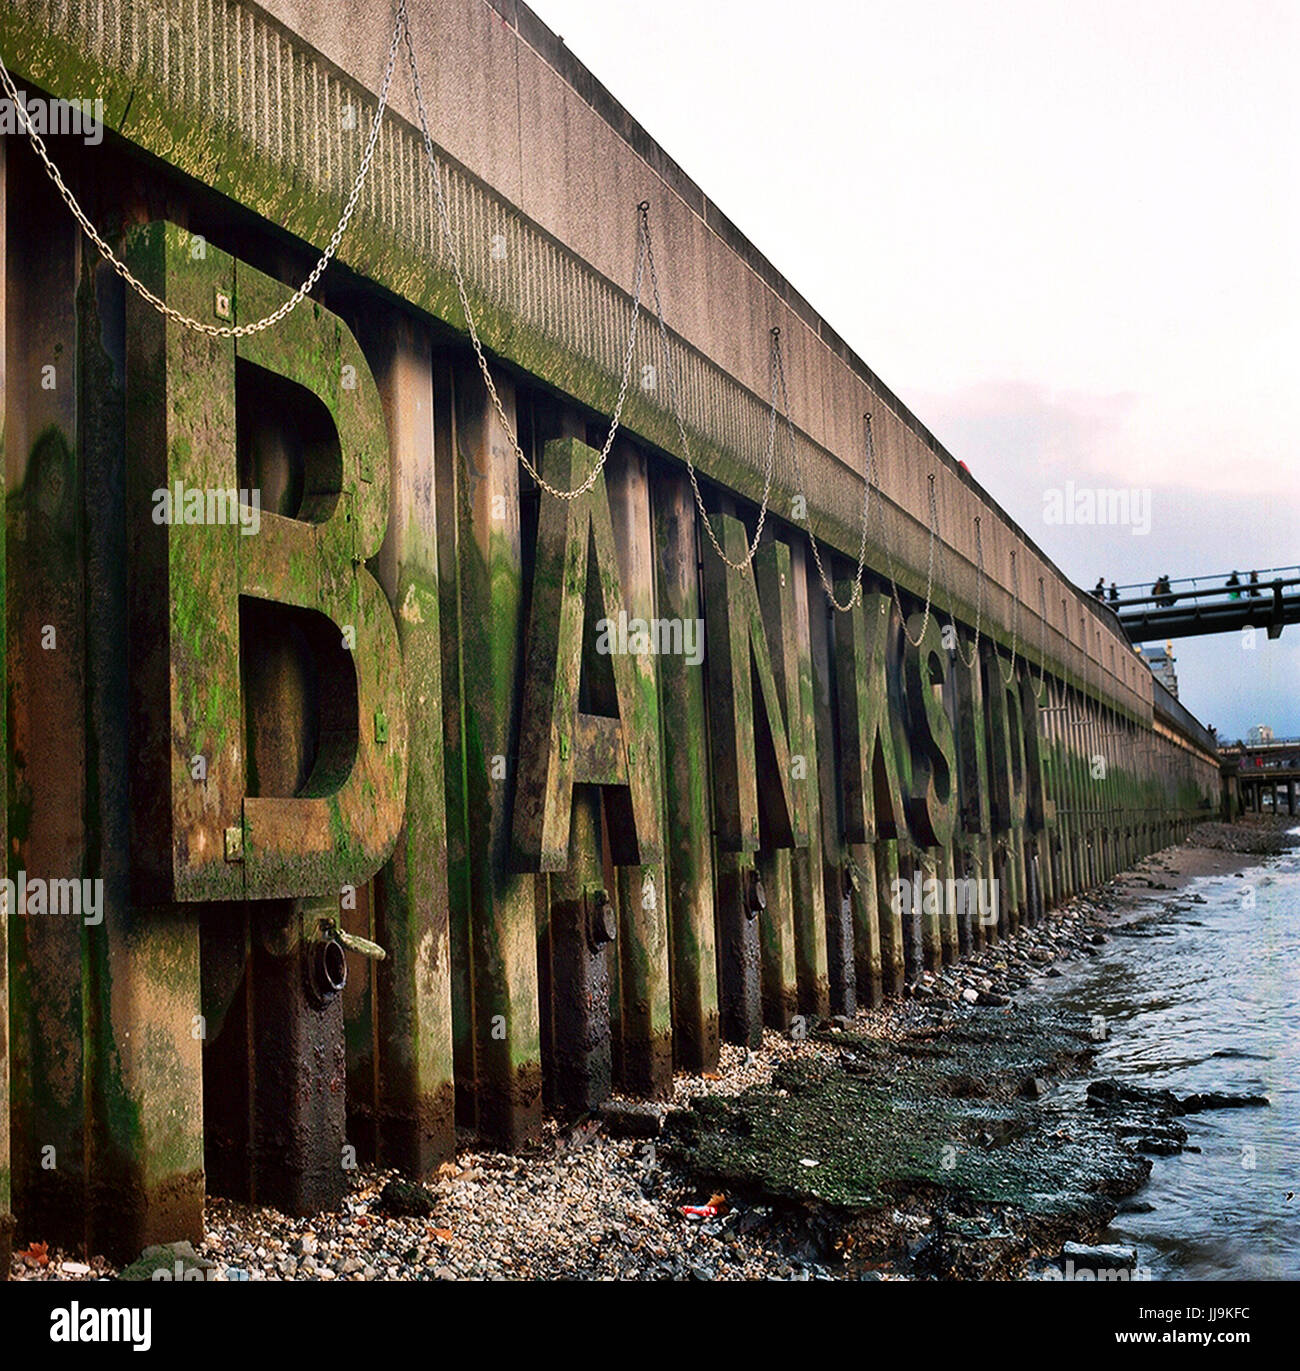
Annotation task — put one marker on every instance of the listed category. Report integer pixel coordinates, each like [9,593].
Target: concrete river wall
[303,663]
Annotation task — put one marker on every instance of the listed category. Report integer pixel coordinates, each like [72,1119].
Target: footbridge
[1195,605]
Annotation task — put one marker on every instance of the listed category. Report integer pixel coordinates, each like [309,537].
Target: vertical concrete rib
[686,786]
[45,579]
[415,1101]
[6,1188]
[502,926]
[844,990]
[808,889]
[646,1057]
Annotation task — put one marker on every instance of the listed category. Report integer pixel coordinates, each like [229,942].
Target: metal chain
[769,462]
[856,594]
[1086,708]
[979,597]
[1042,642]
[929,570]
[449,238]
[168,311]
[1065,621]
[1015,622]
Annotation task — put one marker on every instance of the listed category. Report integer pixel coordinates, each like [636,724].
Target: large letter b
[269,721]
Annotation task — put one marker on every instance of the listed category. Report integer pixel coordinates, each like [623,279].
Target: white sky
[1064,233]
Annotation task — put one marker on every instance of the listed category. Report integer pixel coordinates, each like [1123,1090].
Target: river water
[1208,998]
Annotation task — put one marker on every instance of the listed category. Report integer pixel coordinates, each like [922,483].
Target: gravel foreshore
[585,1205]
[1255,835]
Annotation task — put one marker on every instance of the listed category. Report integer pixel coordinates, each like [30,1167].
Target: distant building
[1261,733]
[1162,662]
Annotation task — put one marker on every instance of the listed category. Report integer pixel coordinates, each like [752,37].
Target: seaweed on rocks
[938,1123]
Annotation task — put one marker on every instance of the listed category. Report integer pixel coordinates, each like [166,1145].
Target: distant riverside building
[1162,662]
[1261,733]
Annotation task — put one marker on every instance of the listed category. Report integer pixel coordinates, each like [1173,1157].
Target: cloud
[1222,512]
[1010,428]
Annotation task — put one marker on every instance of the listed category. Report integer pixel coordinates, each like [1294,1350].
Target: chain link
[979,598]
[168,311]
[1015,622]
[856,594]
[1042,642]
[449,238]
[1065,622]
[929,570]
[769,465]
